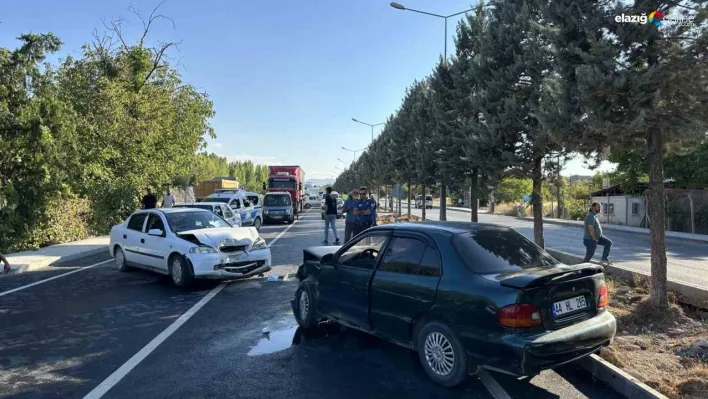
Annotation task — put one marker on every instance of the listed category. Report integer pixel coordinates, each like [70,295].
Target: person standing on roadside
[149,200]
[363,212]
[345,196]
[374,209]
[6,268]
[350,220]
[330,216]
[169,200]
[593,236]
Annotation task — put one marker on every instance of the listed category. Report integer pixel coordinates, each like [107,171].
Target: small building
[619,207]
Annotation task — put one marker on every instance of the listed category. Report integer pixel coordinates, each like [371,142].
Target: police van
[248,204]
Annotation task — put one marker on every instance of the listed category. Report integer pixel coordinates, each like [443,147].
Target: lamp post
[369,124]
[353,151]
[398,6]
[339,159]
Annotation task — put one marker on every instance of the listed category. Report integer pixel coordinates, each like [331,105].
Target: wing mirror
[327,259]
[155,232]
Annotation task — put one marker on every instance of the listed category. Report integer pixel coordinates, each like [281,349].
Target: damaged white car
[188,244]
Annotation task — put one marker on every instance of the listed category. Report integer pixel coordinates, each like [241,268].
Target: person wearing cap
[363,212]
[350,220]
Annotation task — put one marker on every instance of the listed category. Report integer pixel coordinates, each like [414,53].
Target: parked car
[428,202]
[278,207]
[340,207]
[220,209]
[188,244]
[241,202]
[465,296]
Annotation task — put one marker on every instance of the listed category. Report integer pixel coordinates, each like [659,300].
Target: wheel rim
[176,271]
[439,354]
[304,305]
[120,259]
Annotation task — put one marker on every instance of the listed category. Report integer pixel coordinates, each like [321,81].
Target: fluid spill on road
[276,341]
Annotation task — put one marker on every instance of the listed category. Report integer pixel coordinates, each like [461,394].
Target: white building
[619,207]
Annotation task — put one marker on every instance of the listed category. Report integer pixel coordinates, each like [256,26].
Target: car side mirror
[155,232]
[327,259]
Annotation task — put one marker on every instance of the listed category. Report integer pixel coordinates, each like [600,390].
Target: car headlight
[202,250]
[288,211]
[259,244]
[265,211]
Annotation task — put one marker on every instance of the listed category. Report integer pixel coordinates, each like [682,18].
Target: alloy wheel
[120,259]
[304,305]
[439,353]
[176,271]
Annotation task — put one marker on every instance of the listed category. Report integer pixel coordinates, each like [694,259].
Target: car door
[155,249]
[131,238]
[237,207]
[404,284]
[230,217]
[344,284]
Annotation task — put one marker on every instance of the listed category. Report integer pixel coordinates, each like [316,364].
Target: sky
[286,77]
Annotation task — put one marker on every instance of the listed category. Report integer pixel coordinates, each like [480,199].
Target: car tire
[257,223]
[121,263]
[438,346]
[179,271]
[305,308]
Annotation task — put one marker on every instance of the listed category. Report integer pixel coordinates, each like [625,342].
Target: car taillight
[603,299]
[519,316]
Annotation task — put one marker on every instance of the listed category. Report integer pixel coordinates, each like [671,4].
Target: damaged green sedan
[465,296]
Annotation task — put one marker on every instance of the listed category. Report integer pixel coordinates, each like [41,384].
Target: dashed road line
[53,278]
[492,385]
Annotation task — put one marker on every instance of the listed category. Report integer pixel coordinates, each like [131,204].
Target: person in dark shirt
[330,216]
[149,200]
[363,212]
[349,222]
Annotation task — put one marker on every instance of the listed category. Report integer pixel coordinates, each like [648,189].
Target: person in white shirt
[168,200]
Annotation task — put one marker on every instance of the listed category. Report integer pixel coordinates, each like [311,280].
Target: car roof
[449,227]
[168,211]
[198,203]
[277,193]
[231,194]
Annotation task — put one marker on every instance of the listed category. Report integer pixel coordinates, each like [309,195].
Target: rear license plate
[569,306]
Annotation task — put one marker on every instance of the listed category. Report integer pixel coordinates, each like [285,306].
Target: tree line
[81,140]
[532,83]
[210,165]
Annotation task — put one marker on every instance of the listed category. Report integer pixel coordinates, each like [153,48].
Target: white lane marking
[284,231]
[128,366]
[53,278]
[492,385]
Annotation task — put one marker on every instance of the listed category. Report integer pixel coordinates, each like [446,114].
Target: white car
[220,209]
[188,244]
[428,202]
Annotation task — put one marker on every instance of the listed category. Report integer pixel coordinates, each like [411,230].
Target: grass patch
[663,349]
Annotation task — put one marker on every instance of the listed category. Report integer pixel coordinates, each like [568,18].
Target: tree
[512,189]
[641,86]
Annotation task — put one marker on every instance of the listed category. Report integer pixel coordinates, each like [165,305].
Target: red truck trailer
[290,179]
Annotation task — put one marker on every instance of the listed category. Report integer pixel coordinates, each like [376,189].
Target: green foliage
[94,131]
[512,190]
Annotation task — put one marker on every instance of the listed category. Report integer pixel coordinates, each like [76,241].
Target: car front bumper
[227,266]
[530,354]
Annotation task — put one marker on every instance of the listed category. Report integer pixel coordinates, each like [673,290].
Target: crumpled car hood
[224,236]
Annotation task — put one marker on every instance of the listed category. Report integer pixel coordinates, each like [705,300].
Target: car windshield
[224,200]
[197,220]
[282,184]
[277,200]
[498,250]
[205,207]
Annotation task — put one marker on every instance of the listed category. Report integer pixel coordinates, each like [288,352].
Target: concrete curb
[619,380]
[42,259]
[687,293]
[45,263]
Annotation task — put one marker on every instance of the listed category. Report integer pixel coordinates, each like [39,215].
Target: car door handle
[125,236]
[142,241]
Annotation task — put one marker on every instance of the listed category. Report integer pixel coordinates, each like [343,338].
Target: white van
[428,202]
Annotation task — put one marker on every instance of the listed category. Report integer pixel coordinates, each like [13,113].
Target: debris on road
[667,350]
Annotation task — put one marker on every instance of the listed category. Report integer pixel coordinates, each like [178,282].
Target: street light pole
[353,151]
[369,124]
[398,6]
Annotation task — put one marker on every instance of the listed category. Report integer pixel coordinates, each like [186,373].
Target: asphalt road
[134,335]
[687,260]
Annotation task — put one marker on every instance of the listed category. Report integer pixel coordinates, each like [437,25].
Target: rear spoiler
[544,276]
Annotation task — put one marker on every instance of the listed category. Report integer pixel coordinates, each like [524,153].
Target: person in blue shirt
[363,212]
[374,209]
[349,205]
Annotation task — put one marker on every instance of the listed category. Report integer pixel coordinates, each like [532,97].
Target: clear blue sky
[286,77]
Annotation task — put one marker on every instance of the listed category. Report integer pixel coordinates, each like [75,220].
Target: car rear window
[205,207]
[499,251]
